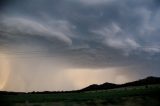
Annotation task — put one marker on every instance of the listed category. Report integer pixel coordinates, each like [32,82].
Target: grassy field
[131,96]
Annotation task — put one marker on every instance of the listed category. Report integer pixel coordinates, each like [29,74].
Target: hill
[142,82]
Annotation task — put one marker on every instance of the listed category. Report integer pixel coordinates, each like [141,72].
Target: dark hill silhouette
[142,82]
[100,87]
[147,81]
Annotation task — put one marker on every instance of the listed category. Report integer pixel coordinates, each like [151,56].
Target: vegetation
[145,92]
[136,96]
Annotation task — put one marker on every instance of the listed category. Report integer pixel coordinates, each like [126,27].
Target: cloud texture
[87,36]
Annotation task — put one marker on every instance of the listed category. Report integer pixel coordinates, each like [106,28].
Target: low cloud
[59,29]
[94,2]
[115,37]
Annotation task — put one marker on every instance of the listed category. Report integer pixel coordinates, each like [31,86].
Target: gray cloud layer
[84,33]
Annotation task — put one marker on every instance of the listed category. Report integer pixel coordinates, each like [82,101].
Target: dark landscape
[144,92]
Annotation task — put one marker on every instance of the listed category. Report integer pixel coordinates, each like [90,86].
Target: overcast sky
[70,44]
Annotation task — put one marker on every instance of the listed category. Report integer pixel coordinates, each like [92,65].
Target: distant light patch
[81,78]
[4,70]
[121,79]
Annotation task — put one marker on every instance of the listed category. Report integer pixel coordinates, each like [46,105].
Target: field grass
[131,96]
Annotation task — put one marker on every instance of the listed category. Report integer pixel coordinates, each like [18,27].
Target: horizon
[83,87]
[49,45]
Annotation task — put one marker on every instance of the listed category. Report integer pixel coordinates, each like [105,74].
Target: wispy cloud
[94,2]
[59,29]
[114,36]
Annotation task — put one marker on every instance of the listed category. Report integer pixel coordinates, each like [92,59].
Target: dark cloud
[85,33]
[3,3]
[127,24]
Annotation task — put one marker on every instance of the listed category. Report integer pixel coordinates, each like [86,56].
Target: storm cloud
[96,37]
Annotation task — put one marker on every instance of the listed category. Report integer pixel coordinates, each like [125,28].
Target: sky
[55,45]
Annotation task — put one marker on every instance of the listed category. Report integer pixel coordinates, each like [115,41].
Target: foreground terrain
[127,96]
